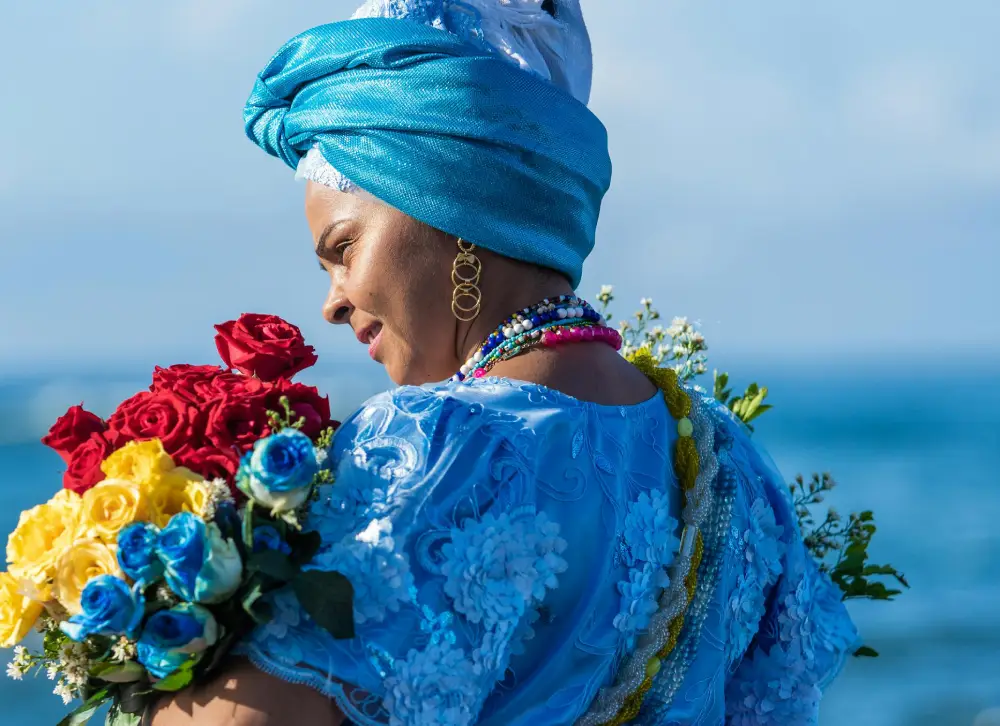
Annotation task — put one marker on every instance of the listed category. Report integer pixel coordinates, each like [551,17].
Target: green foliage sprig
[839,546]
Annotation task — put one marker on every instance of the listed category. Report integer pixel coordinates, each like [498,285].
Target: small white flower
[14,671]
[321,457]
[646,302]
[76,677]
[123,650]
[64,692]
[52,672]
[607,290]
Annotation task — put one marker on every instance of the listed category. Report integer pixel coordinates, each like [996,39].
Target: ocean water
[921,450]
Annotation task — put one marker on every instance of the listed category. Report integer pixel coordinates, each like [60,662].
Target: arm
[242,695]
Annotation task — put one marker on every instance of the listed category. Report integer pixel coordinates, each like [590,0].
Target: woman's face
[390,280]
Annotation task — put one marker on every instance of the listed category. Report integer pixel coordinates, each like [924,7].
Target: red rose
[305,402]
[159,415]
[233,384]
[210,462]
[71,430]
[237,421]
[263,345]
[84,469]
[193,383]
[200,384]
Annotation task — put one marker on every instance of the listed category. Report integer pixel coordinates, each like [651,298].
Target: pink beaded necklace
[552,322]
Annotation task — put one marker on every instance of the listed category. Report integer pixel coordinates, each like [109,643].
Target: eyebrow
[321,250]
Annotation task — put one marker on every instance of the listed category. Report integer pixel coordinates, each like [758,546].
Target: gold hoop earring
[466,298]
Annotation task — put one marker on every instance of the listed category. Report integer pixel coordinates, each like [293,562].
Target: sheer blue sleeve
[433,520]
[788,630]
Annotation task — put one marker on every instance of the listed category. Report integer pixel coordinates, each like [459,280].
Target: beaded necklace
[553,321]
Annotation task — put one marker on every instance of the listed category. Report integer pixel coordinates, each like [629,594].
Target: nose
[337,309]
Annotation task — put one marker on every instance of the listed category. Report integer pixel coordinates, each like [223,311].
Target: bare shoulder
[242,695]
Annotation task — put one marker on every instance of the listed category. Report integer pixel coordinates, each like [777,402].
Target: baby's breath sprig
[286,418]
[325,439]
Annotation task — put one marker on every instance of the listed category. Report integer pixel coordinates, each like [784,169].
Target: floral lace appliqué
[380,575]
[436,686]
[497,566]
[650,531]
[780,692]
[650,545]
[762,550]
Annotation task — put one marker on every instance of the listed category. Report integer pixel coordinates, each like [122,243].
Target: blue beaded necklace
[566,318]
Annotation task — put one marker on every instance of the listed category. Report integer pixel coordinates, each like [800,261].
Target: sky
[817,182]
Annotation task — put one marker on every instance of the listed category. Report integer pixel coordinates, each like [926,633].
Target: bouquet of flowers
[177,515]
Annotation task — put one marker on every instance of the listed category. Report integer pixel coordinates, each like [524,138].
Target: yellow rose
[78,564]
[17,612]
[109,507]
[179,490]
[138,461]
[41,534]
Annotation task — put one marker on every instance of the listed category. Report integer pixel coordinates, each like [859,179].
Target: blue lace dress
[508,545]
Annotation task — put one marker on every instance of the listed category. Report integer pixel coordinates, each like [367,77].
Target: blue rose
[267,537]
[109,607]
[200,564]
[173,637]
[279,472]
[137,552]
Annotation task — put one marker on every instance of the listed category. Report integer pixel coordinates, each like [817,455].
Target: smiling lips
[370,336]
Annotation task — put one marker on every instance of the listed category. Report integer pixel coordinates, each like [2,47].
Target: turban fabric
[443,130]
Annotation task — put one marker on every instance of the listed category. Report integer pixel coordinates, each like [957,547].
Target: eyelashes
[337,255]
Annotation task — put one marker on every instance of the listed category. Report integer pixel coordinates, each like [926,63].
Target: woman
[544,537]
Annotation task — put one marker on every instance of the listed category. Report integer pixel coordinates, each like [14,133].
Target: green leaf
[248,525]
[117,717]
[879,570]
[87,709]
[273,564]
[132,697]
[304,546]
[329,599]
[250,604]
[759,411]
[179,679]
[865,652]
[118,672]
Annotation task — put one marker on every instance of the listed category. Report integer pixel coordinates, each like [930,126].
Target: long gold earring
[465,272]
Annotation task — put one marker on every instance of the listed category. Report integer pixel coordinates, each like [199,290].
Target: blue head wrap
[443,130]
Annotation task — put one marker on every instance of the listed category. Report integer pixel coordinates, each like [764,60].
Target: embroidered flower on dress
[765,547]
[776,688]
[431,687]
[497,566]
[650,531]
[342,507]
[380,575]
[491,657]
[745,609]
[286,618]
[762,550]
[795,618]
[639,600]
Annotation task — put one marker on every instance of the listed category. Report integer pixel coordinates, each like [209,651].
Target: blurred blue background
[818,184]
